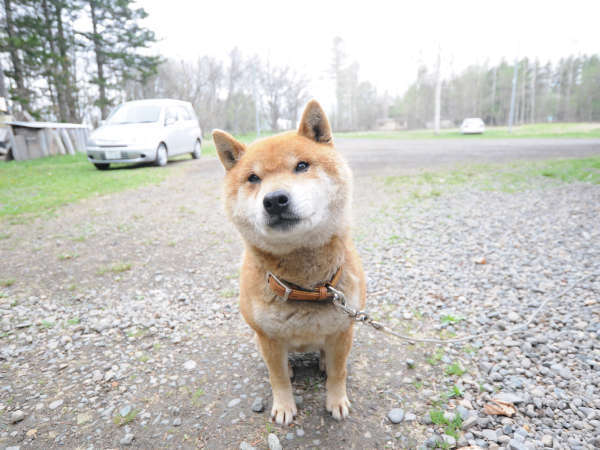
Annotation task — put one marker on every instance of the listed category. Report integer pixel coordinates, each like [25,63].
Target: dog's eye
[302,166]
[253,178]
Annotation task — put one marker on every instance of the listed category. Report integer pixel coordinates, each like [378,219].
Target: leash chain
[339,300]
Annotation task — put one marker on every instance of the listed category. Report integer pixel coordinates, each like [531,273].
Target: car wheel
[102,166]
[197,149]
[161,155]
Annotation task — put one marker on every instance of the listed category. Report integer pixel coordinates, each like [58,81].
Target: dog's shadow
[306,367]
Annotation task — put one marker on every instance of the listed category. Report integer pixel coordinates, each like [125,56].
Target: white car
[146,131]
[472,125]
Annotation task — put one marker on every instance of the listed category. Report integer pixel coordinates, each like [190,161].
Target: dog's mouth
[283,222]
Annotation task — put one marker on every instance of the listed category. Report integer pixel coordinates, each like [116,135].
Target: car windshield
[131,113]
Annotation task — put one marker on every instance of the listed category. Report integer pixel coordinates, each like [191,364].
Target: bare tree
[438,92]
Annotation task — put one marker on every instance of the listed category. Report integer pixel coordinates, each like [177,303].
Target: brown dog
[289,196]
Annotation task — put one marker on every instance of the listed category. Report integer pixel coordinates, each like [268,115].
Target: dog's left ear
[314,124]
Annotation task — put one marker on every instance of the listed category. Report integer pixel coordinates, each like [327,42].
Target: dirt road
[120,325]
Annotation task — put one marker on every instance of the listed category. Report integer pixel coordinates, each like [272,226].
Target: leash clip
[288,291]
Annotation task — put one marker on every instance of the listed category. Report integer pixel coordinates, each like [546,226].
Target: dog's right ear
[228,148]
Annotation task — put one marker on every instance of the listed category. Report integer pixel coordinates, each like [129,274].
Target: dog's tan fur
[307,255]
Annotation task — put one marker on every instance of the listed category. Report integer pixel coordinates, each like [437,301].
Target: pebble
[410,363]
[258,405]
[177,421]
[189,365]
[17,416]
[245,446]
[55,404]
[299,432]
[547,440]
[127,439]
[469,422]
[234,402]
[273,442]
[396,415]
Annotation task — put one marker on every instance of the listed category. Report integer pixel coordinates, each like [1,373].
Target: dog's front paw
[284,410]
[338,406]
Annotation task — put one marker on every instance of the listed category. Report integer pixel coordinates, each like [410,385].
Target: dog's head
[287,191]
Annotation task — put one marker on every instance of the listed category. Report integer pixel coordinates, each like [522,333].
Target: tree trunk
[493,106]
[438,94]
[53,78]
[103,101]
[22,96]
[523,99]
[532,93]
[67,85]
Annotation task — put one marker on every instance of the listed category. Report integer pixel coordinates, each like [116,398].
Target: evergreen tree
[116,40]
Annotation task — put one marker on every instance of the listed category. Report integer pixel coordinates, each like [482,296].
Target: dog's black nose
[276,202]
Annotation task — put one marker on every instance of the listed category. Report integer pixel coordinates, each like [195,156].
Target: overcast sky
[387,39]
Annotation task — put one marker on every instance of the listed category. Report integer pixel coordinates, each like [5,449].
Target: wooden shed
[30,140]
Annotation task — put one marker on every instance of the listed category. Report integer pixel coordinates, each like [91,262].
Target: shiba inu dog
[289,196]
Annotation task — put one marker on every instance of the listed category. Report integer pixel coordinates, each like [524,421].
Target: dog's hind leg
[337,348]
[276,359]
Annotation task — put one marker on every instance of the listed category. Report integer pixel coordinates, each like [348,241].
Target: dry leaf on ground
[500,408]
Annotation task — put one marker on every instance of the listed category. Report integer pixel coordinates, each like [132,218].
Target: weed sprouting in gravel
[455,369]
[451,319]
[120,420]
[73,321]
[436,357]
[7,283]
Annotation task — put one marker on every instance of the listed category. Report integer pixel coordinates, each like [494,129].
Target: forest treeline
[73,60]
[566,91]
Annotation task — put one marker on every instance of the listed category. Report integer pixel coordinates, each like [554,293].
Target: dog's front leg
[337,348]
[276,358]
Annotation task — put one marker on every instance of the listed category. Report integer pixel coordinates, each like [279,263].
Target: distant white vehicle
[146,131]
[473,125]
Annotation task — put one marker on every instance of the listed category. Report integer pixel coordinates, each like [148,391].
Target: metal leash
[339,300]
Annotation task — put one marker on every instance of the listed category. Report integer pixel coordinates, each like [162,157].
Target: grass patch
[7,283]
[73,321]
[436,357]
[537,130]
[120,420]
[451,427]
[42,185]
[46,324]
[511,177]
[67,256]
[115,268]
[455,369]
[451,319]
[228,293]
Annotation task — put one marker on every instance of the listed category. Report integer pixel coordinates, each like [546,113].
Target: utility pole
[511,115]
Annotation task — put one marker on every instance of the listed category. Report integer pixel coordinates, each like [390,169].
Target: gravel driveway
[121,326]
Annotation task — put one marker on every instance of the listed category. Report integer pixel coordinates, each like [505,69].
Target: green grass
[120,420]
[451,319]
[7,283]
[73,321]
[42,185]
[115,268]
[510,177]
[538,130]
[455,369]
[451,427]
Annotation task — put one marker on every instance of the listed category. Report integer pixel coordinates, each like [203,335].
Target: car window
[182,113]
[171,115]
[134,113]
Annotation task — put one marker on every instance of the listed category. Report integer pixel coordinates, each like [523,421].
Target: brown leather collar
[285,292]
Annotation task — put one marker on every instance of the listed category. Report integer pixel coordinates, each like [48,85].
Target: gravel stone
[396,415]
[55,404]
[127,439]
[234,402]
[17,416]
[189,365]
[273,442]
[258,405]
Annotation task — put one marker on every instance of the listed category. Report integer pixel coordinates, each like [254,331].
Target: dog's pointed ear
[228,148]
[314,124]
